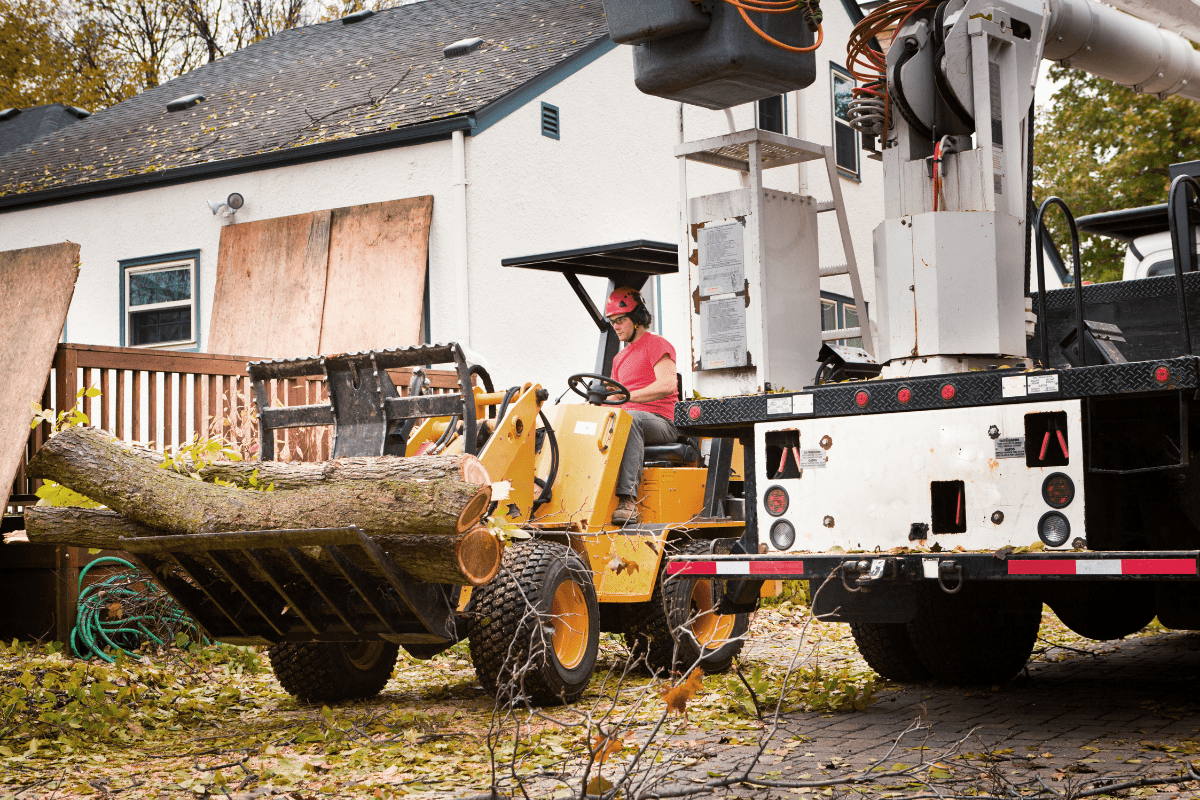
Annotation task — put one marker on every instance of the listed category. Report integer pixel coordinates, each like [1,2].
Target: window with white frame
[772,114]
[845,138]
[158,300]
[838,312]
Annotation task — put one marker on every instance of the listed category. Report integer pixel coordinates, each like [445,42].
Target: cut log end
[473,470]
[479,555]
[474,510]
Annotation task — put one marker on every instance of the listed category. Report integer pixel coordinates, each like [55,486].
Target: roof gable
[309,86]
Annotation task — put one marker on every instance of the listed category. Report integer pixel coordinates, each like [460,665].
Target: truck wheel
[682,631]
[537,622]
[888,649]
[983,635]
[330,672]
[1110,610]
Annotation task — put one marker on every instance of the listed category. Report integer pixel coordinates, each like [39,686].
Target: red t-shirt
[634,368]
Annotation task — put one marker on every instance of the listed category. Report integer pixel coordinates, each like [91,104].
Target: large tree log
[468,559]
[305,474]
[91,463]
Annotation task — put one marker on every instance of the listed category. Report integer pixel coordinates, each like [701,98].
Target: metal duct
[1124,49]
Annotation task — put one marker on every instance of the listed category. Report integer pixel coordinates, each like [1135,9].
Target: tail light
[783,535]
[776,501]
[1058,490]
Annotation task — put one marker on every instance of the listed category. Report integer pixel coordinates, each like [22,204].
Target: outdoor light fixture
[228,207]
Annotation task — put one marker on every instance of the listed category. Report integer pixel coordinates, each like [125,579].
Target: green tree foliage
[96,53]
[1103,147]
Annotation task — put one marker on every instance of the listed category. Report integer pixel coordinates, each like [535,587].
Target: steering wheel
[603,391]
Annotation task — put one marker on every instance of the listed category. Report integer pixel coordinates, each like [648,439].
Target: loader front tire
[534,630]
[888,649]
[682,630]
[981,636]
[331,672]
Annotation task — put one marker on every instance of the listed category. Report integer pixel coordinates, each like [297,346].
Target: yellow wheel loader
[566,575]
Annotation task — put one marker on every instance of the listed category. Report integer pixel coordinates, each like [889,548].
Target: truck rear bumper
[860,569]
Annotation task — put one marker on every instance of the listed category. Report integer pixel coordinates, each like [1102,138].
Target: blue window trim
[855,174]
[557,121]
[127,263]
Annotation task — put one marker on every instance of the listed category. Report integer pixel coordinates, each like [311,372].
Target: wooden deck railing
[167,397]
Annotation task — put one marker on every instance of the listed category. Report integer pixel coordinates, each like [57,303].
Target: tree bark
[468,559]
[81,527]
[91,463]
[305,474]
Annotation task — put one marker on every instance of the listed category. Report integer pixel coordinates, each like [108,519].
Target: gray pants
[648,428]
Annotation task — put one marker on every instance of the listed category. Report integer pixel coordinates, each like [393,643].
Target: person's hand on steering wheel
[601,391]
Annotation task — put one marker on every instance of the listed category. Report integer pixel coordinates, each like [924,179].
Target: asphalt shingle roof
[315,84]
[33,123]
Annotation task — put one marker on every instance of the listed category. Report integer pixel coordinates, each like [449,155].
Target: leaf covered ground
[212,721]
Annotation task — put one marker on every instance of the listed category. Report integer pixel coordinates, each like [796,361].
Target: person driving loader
[645,366]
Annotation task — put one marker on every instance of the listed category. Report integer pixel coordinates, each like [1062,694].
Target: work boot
[626,512]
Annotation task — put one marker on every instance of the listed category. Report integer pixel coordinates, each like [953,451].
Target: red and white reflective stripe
[735,568]
[1102,566]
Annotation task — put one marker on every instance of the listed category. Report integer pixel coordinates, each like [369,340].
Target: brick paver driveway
[1117,711]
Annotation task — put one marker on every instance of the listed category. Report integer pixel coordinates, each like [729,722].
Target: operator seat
[685,451]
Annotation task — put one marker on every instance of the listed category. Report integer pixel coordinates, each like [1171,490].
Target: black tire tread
[319,672]
[654,637]
[498,619]
[982,637]
[888,649]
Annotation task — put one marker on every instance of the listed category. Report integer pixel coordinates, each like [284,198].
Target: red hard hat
[622,301]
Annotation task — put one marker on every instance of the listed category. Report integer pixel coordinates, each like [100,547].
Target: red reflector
[948,391]
[861,399]
[904,395]
[694,412]
[1162,374]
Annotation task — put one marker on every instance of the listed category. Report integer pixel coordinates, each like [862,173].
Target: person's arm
[663,386]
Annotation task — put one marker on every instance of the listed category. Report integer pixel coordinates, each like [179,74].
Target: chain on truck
[993,444]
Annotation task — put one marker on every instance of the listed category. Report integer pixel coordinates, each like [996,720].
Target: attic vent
[78,113]
[461,47]
[357,16]
[549,120]
[8,114]
[185,102]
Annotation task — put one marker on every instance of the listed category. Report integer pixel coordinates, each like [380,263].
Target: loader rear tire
[331,672]
[888,649]
[534,630]
[981,636]
[682,631]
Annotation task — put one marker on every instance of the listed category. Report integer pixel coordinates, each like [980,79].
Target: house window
[158,300]
[772,114]
[549,120]
[845,138]
[839,312]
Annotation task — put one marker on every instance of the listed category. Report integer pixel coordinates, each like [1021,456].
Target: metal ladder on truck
[750,152]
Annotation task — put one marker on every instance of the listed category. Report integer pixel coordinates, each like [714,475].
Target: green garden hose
[123,610]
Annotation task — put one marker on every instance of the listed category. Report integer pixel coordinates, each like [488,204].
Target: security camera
[228,207]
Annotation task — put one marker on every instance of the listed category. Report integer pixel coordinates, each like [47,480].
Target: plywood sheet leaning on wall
[270,288]
[376,287]
[36,286]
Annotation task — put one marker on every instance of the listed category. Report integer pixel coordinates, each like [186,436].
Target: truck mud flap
[322,584]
